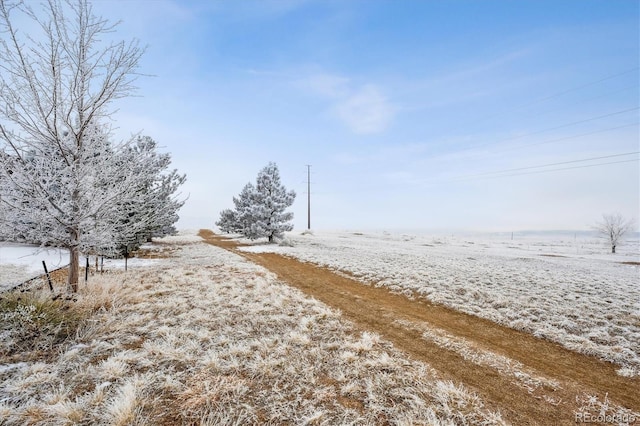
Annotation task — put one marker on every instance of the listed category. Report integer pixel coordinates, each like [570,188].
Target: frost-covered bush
[285,242]
[34,321]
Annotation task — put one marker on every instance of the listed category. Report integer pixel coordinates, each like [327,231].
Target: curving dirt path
[402,321]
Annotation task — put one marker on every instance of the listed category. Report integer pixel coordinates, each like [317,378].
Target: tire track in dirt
[376,309]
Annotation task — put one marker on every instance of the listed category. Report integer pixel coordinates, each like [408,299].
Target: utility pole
[309,196]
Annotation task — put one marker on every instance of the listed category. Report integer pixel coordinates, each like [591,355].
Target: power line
[581,101]
[569,137]
[551,164]
[564,138]
[554,95]
[495,175]
[573,89]
[377,189]
[527,170]
[560,93]
[564,168]
[554,128]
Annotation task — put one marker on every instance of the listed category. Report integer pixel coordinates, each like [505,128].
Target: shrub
[34,322]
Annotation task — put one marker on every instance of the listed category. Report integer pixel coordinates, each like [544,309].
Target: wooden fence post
[48,276]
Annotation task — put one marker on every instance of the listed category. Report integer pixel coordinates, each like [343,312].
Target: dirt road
[565,377]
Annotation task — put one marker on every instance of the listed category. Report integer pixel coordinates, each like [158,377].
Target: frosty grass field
[564,288]
[206,337]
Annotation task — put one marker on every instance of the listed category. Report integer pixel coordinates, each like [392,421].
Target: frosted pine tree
[153,209]
[260,209]
[228,222]
[245,210]
[272,199]
[241,218]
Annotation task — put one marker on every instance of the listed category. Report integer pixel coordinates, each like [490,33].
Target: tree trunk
[74,260]
[613,249]
[271,238]
[74,268]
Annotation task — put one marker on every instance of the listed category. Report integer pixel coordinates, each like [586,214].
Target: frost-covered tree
[57,84]
[45,198]
[241,218]
[151,210]
[244,208]
[228,222]
[260,210]
[271,219]
[613,228]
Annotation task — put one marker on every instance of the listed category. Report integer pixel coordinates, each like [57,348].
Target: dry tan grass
[208,338]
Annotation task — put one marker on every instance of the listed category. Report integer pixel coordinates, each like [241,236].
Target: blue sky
[413,114]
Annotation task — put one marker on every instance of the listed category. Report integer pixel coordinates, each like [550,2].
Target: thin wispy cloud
[366,111]
[326,85]
[363,109]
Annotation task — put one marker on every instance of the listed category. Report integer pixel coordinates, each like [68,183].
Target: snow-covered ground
[563,287]
[21,262]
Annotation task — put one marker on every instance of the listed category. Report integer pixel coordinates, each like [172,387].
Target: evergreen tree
[228,221]
[153,209]
[272,199]
[244,212]
[260,210]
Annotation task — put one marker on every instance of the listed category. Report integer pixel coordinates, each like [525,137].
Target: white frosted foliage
[63,181]
[260,209]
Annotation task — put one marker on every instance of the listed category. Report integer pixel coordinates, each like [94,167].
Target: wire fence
[32,282]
